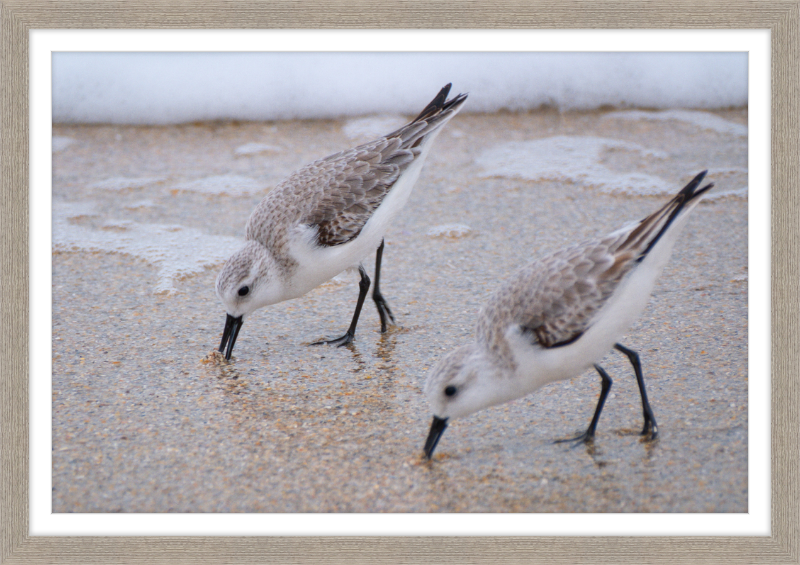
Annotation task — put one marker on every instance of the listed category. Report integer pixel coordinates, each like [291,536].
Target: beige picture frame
[17,17]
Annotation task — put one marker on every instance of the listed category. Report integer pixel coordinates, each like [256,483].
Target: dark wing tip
[439,103]
[686,195]
[688,190]
[456,100]
[707,187]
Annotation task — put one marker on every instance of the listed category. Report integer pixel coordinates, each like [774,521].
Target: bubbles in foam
[140,204]
[126,183]
[174,250]
[455,132]
[702,120]
[453,231]
[117,225]
[572,159]
[740,192]
[725,177]
[60,143]
[256,149]
[232,185]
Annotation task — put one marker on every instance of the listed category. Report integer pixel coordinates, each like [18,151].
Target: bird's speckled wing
[555,299]
[358,181]
[338,194]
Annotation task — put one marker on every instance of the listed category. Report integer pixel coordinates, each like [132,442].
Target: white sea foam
[117,225]
[702,120]
[174,250]
[455,132]
[739,192]
[168,88]
[126,183]
[731,182]
[453,231]
[146,203]
[256,149]
[232,185]
[572,159]
[371,127]
[61,142]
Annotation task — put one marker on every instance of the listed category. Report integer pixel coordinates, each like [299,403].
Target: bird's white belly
[538,366]
[318,264]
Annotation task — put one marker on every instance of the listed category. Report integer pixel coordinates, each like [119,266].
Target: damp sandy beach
[144,420]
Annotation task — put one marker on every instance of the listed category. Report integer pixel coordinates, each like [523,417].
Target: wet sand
[143,422]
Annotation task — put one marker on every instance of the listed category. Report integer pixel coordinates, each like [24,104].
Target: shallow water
[144,422]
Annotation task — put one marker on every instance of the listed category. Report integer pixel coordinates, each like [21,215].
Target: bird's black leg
[383,309]
[650,426]
[588,435]
[363,287]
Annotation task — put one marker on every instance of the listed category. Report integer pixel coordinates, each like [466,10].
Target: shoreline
[141,424]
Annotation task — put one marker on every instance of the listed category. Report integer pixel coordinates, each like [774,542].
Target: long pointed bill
[437,429]
[229,334]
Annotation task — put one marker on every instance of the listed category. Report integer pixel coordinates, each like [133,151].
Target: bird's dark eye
[244,290]
[450,390]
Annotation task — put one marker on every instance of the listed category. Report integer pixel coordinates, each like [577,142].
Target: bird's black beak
[437,429]
[232,327]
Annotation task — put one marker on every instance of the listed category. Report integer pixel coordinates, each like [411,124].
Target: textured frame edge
[18,17]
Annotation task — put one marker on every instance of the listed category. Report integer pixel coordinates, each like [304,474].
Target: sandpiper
[327,217]
[559,316]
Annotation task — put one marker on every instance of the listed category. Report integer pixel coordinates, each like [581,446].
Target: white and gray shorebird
[559,316]
[327,217]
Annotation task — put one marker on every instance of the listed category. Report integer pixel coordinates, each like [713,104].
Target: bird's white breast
[317,264]
[537,366]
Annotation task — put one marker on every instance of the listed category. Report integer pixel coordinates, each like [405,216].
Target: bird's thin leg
[650,426]
[363,287]
[383,309]
[588,435]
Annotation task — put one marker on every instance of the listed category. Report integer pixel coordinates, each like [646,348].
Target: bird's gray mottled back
[343,190]
[555,299]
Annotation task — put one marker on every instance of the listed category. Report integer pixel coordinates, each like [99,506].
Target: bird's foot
[585,437]
[339,341]
[384,312]
[649,431]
